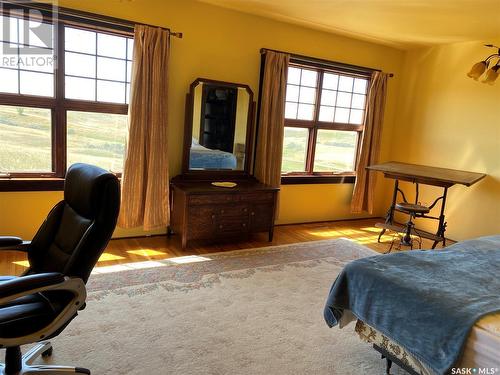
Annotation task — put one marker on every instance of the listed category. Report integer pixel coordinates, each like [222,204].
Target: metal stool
[412,210]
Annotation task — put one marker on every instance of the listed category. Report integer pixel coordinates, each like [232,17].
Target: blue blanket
[427,301]
[205,158]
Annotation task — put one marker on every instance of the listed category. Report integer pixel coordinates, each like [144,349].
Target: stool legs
[407,239]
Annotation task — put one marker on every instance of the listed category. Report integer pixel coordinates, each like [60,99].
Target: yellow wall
[448,120]
[224,45]
[198,91]
[240,126]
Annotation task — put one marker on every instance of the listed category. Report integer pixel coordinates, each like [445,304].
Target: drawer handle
[252,213]
[243,224]
[221,226]
[213,216]
[245,210]
[221,211]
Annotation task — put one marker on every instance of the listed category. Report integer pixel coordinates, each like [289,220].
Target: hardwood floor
[131,250]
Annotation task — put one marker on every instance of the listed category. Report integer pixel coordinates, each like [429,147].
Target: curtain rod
[352,68]
[125,25]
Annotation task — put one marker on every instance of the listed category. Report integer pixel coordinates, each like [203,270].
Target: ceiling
[401,23]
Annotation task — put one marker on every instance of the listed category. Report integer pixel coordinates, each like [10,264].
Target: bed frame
[390,359]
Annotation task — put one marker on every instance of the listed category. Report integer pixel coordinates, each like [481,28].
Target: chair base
[27,367]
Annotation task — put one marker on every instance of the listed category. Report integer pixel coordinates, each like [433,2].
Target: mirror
[218,127]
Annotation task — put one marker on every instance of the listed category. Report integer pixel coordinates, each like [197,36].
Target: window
[324,116]
[64,93]
[98,66]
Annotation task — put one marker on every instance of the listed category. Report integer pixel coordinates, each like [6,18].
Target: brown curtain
[364,188]
[145,175]
[271,119]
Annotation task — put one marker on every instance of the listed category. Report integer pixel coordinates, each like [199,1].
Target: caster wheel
[47,353]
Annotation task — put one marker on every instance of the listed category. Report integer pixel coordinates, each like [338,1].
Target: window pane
[358,101]
[356,116]
[326,113]
[291,110]
[43,29]
[111,45]
[96,138]
[129,71]
[9,24]
[342,115]
[77,64]
[79,40]
[294,76]
[9,51]
[308,78]
[328,97]
[127,100]
[294,150]
[306,112]
[37,84]
[112,92]
[330,81]
[307,95]
[130,48]
[8,81]
[292,93]
[344,99]
[335,151]
[111,69]
[25,144]
[345,83]
[360,85]
[80,88]
[39,63]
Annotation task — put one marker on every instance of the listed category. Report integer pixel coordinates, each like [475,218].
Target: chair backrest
[77,229]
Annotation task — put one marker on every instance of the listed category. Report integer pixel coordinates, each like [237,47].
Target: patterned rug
[257,311]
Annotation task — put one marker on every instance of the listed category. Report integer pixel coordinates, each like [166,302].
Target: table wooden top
[427,174]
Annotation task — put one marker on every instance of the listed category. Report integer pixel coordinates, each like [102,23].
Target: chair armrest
[13,243]
[25,285]
[10,241]
[29,283]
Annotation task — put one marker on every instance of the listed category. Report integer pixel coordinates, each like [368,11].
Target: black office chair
[39,304]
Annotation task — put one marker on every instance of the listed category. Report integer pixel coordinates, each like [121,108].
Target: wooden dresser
[201,211]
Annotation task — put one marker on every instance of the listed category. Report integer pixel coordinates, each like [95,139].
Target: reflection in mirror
[219,127]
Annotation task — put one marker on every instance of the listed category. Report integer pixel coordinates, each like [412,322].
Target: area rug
[257,311]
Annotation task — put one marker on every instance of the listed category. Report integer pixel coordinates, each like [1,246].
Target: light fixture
[481,67]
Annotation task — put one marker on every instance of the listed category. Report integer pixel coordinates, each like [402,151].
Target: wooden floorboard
[129,250]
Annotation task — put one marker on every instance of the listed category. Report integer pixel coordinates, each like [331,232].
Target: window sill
[308,179]
[31,184]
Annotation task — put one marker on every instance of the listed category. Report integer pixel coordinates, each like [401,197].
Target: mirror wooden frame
[188,131]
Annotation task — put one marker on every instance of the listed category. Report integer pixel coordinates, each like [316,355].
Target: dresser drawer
[233,210]
[213,199]
[265,196]
[232,226]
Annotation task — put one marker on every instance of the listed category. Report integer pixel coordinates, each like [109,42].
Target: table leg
[389,217]
[442,222]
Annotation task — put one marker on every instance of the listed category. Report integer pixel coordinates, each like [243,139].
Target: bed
[481,350]
[204,158]
[431,312]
